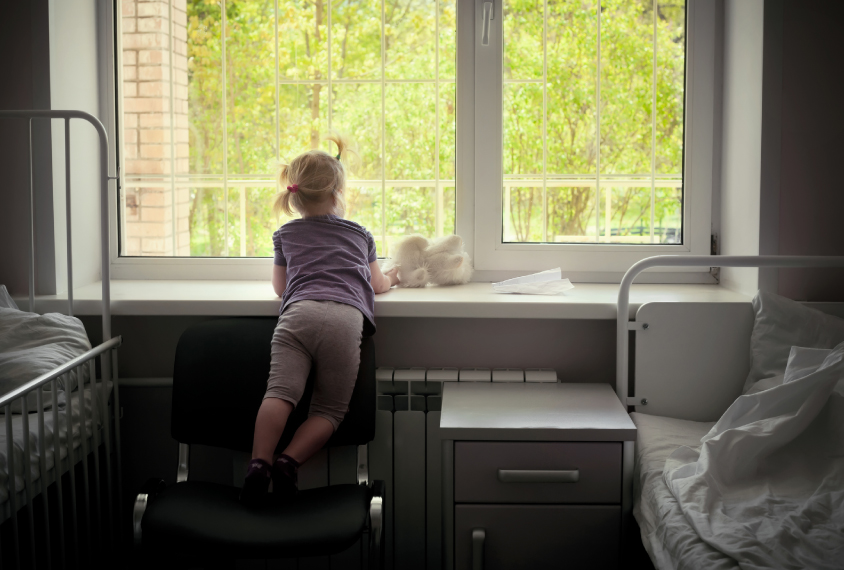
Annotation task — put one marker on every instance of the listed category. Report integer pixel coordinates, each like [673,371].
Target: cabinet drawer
[532,472]
[534,537]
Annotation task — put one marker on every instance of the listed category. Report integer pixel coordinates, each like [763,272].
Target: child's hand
[393,275]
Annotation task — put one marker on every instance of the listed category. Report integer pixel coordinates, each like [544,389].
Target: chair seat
[207,519]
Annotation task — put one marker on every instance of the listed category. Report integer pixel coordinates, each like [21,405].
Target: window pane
[208,222]
[523,33]
[363,204]
[522,128]
[212,102]
[356,112]
[571,88]
[589,127]
[448,39]
[205,86]
[571,212]
[625,215]
[448,131]
[409,211]
[671,46]
[250,87]
[668,214]
[410,113]
[523,213]
[356,38]
[626,86]
[302,40]
[410,42]
[303,118]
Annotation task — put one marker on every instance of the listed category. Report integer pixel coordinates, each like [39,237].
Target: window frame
[594,261]
[478,199]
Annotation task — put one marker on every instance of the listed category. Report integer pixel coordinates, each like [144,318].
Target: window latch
[489,14]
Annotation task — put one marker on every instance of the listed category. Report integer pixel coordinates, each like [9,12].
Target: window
[556,77]
[575,73]
[216,93]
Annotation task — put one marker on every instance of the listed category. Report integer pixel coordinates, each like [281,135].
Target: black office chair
[219,381]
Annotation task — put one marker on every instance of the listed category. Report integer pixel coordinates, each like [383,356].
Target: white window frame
[590,262]
[478,196]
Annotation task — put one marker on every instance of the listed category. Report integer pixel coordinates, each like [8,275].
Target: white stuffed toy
[421,261]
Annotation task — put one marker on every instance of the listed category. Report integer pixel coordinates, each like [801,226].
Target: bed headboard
[691,359]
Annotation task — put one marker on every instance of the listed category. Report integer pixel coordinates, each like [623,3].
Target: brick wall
[155,141]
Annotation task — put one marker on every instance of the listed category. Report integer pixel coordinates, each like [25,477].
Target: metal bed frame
[108,526]
[624,325]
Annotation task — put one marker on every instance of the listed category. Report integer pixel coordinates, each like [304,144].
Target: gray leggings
[324,334]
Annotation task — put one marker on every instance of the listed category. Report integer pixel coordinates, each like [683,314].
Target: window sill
[474,300]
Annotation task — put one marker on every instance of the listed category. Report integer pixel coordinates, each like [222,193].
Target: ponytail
[314,177]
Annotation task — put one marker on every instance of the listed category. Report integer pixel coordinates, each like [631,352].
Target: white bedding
[766,484]
[33,344]
[35,436]
[764,490]
[666,534]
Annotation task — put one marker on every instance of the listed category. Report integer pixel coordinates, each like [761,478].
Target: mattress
[76,439]
[668,538]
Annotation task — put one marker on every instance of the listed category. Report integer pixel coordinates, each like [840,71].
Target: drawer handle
[538,476]
[478,538]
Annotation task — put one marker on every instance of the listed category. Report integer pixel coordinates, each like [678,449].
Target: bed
[60,483]
[712,380]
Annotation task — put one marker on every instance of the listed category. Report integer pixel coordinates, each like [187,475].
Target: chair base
[206,522]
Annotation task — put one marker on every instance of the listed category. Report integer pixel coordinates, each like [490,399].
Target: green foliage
[414,142]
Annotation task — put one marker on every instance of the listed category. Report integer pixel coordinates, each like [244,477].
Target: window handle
[489,14]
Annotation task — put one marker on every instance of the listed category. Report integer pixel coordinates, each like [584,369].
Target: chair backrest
[220,377]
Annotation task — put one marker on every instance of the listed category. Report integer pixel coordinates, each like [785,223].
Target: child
[327,274]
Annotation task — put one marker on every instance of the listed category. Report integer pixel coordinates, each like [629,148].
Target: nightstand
[534,475]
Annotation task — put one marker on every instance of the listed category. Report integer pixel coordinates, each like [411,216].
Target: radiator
[405,454]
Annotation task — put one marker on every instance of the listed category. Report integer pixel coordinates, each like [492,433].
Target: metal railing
[623,323]
[91,402]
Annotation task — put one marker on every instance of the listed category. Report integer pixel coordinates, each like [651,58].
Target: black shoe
[283,486]
[254,491]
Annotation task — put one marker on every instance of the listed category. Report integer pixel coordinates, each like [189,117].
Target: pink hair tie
[293,188]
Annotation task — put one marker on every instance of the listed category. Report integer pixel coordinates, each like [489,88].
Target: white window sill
[474,300]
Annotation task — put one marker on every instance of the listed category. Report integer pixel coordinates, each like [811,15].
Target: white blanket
[766,486]
[669,539]
[32,345]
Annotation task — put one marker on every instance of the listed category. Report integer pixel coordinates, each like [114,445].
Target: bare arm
[380,282]
[279,279]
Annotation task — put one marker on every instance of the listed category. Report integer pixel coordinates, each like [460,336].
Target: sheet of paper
[548,282]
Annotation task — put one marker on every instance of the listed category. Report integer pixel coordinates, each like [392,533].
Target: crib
[61,453]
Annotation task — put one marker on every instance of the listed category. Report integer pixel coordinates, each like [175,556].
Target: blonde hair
[317,176]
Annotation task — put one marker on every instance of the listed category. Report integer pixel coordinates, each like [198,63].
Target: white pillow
[32,345]
[780,324]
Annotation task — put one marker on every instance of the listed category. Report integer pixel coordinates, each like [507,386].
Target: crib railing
[90,530]
[95,506]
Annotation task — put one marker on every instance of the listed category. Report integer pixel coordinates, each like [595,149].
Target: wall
[25,69]
[50,62]
[811,197]
[76,84]
[741,151]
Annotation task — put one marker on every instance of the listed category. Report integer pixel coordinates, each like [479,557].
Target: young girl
[327,275]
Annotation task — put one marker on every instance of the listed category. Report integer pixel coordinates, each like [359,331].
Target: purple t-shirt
[327,259]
